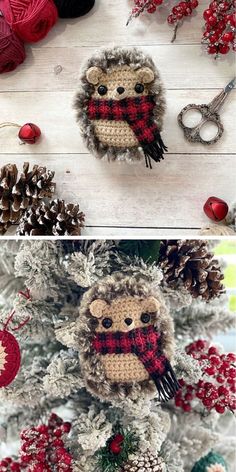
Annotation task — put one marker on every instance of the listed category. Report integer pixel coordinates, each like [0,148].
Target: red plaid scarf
[138,112]
[146,344]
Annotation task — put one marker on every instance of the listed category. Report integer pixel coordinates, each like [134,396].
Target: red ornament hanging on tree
[10,356]
[28,133]
[216,209]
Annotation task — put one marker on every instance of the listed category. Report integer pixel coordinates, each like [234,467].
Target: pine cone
[54,219]
[145,462]
[191,261]
[17,194]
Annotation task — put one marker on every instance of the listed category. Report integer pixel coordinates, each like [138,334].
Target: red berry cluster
[9,465]
[217,390]
[219,34]
[43,449]
[181,10]
[149,5]
[115,445]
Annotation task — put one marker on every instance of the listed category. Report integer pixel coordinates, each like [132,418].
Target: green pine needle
[147,249]
[107,461]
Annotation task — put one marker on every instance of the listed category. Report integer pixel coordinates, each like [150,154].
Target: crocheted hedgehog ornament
[120,106]
[126,340]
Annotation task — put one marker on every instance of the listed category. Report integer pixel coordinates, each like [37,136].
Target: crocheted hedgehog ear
[120,106]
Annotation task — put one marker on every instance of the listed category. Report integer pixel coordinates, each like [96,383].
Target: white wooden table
[119,199]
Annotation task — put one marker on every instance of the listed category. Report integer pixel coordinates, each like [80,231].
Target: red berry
[227,37]
[151,9]
[220,379]
[115,448]
[200,393]
[232,373]
[194,4]
[210,370]
[213,38]
[224,48]
[66,427]
[212,20]
[119,438]
[178,402]
[223,390]
[207,402]
[181,382]
[186,407]
[171,19]
[213,351]
[219,408]
[188,11]
[215,360]
[232,20]
[207,14]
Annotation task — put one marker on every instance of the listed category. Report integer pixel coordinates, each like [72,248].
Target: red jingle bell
[216,209]
[29,133]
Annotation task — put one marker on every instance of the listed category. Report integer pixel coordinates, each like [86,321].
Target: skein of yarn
[73,8]
[12,51]
[31,20]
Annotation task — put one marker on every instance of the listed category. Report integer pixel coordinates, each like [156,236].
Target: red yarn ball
[12,51]
[31,20]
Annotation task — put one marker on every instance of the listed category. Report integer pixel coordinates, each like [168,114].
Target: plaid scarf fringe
[138,113]
[167,384]
[145,344]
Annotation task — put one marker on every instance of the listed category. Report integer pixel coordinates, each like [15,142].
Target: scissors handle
[193,134]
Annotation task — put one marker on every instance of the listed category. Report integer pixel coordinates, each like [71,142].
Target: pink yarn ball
[31,20]
[12,51]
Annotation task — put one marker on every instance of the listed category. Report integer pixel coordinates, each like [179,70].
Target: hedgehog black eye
[107,323]
[139,88]
[145,317]
[102,89]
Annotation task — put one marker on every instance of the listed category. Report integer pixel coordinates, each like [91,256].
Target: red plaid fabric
[136,111]
[144,342]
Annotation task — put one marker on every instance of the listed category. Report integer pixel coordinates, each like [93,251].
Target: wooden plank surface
[119,199]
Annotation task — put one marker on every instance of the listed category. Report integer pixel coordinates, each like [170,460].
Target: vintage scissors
[209,114]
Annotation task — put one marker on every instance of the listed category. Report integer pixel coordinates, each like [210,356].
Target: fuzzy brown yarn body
[118,71]
[116,301]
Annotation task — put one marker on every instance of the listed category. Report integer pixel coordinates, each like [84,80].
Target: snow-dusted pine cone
[56,218]
[146,462]
[193,263]
[17,193]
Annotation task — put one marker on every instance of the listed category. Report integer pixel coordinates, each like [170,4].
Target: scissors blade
[230,85]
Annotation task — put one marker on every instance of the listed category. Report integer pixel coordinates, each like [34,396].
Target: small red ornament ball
[216,209]
[29,133]
[116,444]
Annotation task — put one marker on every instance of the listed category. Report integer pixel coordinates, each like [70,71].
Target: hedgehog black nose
[128,321]
[120,90]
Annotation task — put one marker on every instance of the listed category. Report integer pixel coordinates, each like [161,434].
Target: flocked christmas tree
[51,419]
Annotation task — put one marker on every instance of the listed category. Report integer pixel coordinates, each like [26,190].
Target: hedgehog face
[124,313]
[121,82]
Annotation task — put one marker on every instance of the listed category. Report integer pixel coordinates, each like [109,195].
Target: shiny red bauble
[115,445]
[216,209]
[29,133]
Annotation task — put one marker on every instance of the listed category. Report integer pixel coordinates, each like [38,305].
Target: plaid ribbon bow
[145,343]
[138,113]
